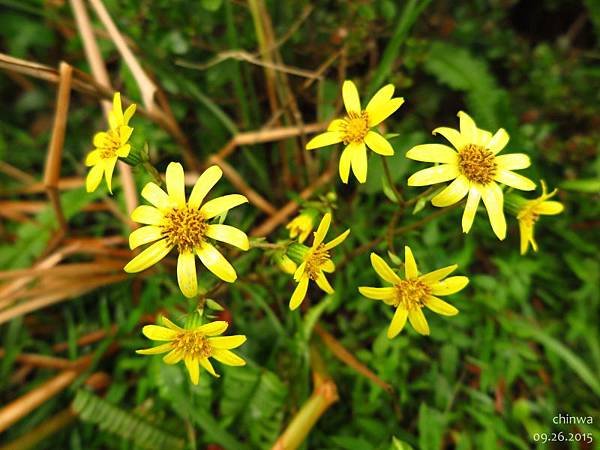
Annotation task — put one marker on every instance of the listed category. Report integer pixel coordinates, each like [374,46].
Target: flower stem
[388,176]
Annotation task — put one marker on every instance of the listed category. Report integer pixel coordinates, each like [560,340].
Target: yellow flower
[529,213]
[409,296]
[302,225]
[475,168]
[284,262]
[316,261]
[194,346]
[174,223]
[109,146]
[355,129]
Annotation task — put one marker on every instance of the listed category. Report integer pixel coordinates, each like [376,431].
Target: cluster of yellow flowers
[191,226]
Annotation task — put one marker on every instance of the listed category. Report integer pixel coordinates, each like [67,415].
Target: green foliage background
[525,346]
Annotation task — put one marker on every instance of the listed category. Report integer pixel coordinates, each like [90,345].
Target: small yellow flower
[302,225]
[475,168]
[109,146]
[315,262]
[194,346]
[174,223]
[355,129]
[529,214]
[409,296]
[285,263]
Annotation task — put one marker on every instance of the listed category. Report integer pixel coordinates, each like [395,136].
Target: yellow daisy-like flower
[109,146]
[355,129]
[316,262]
[194,346]
[302,225]
[409,296]
[475,168]
[174,223]
[530,212]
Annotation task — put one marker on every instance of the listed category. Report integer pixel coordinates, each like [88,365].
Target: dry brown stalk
[35,436]
[16,173]
[50,362]
[87,339]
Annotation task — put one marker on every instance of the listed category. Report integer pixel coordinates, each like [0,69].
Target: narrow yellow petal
[93,158]
[100,139]
[526,232]
[299,293]
[350,96]
[94,177]
[453,136]
[345,159]
[109,167]
[437,275]
[380,114]
[176,184]
[158,333]
[337,241]
[494,199]
[173,357]
[170,324]
[228,234]
[336,125]
[193,369]
[453,193]
[471,208]
[229,358]
[440,306]
[379,144]
[144,235]
[513,161]
[213,328]
[398,322]
[155,195]
[381,97]
[383,270]
[125,133]
[498,141]
[123,151]
[299,273]
[550,208]
[219,205]
[205,363]
[322,230]
[186,274]
[163,348]
[449,285]
[434,175]
[433,153]
[359,161]
[216,263]
[324,139]
[149,257]
[418,321]
[328,266]
[203,185]
[374,293]
[147,215]
[410,265]
[468,129]
[482,137]
[117,108]
[128,114]
[323,283]
[227,342]
[514,180]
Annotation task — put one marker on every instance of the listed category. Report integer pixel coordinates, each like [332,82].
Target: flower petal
[93,158]
[328,266]
[434,175]
[437,275]
[229,358]
[219,205]
[471,208]
[379,144]
[359,161]
[158,333]
[468,129]
[155,195]
[498,141]
[148,215]
[323,283]
[123,151]
[186,274]
[125,133]
[299,293]
[227,342]
[337,241]
[162,348]
[324,139]
[453,136]
[514,180]
[322,230]
[100,139]
[170,324]
[109,167]
[418,321]
[513,161]
[440,306]
[173,357]
[384,293]
[398,322]
[149,256]
[493,200]
[381,97]
[383,270]
[176,184]
[453,193]
[193,368]
[410,265]
[94,177]
[144,235]
[205,363]
[203,185]
[526,232]
[550,208]
[228,234]
[345,159]
[216,263]
[380,114]
[336,125]
[350,96]
[449,285]
[128,114]
[213,328]
[433,153]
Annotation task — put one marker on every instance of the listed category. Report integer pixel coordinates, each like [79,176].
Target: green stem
[388,176]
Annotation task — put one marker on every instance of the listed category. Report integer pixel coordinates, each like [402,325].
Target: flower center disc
[192,344]
[356,127]
[411,294]
[477,164]
[185,228]
[111,145]
[315,262]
